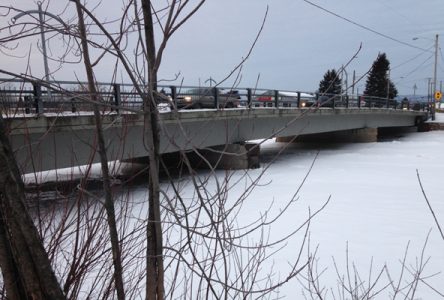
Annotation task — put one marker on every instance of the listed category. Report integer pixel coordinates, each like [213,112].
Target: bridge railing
[19,96]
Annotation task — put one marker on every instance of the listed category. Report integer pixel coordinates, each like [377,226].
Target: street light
[41,12]
[210,80]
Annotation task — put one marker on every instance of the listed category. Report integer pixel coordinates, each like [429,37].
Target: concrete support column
[232,156]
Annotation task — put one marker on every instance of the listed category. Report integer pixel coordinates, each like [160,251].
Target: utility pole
[434,77]
[388,84]
[354,81]
[436,65]
[344,82]
[429,92]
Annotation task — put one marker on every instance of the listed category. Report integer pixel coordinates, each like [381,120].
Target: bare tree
[186,239]
[109,205]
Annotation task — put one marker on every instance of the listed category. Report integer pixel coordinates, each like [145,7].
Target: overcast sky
[299,43]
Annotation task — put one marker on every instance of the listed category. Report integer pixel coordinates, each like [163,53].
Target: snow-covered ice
[376,206]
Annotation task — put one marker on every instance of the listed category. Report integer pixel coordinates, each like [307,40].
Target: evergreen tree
[331,84]
[378,80]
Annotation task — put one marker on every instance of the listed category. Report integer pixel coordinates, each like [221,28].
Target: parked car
[285,99]
[205,98]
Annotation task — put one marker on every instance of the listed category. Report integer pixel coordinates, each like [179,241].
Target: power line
[416,69]
[442,59]
[364,27]
[395,10]
[411,59]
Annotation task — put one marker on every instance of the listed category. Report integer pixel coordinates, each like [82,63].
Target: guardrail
[18,96]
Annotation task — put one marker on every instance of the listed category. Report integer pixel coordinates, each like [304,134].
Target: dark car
[332,100]
[285,99]
[205,98]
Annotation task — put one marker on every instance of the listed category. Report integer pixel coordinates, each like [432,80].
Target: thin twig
[429,205]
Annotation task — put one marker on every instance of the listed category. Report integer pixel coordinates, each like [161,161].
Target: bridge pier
[223,157]
[362,135]
[228,157]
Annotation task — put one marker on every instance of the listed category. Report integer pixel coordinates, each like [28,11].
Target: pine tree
[331,84]
[378,80]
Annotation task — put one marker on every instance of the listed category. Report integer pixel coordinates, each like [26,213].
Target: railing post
[249,98]
[276,99]
[347,99]
[73,105]
[387,103]
[174,96]
[216,97]
[38,101]
[299,100]
[117,96]
[28,104]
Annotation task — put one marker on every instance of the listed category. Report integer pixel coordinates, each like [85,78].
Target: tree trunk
[155,271]
[24,256]
[11,276]
[109,204]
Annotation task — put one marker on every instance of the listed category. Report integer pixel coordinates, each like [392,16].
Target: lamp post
[41,13]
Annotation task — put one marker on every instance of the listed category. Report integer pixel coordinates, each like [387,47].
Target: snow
[439,118]
[376,206]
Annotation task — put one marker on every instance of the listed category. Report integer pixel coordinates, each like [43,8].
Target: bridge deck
[52,141]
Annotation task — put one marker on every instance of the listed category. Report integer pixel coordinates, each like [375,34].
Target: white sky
[298,44]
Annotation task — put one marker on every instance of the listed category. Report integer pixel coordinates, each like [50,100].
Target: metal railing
[18,96]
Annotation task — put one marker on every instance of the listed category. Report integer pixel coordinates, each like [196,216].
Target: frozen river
[376,208]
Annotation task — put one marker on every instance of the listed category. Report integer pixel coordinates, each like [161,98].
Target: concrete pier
[224,157]
[229,157]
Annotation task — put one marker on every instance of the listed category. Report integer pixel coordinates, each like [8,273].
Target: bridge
[59,139]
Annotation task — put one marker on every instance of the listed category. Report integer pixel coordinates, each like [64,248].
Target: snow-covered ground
[376,207]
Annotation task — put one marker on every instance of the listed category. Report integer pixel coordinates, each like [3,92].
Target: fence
[18,96]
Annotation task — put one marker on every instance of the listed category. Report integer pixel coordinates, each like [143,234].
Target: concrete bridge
[51,141]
